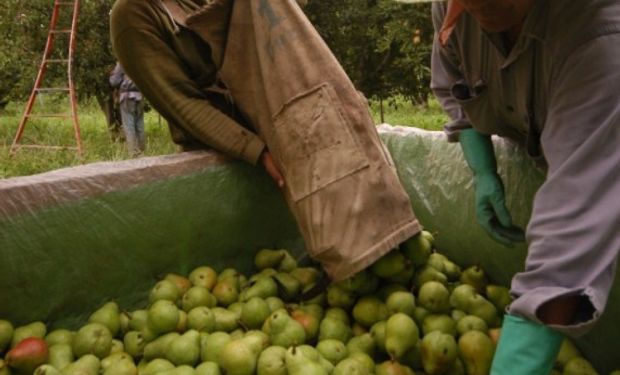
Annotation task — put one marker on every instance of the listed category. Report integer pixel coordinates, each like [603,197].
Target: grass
[98,146]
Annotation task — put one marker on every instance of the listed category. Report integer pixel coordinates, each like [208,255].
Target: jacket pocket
[476,105]
[313,142]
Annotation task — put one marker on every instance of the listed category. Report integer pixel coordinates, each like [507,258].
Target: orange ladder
[40,89]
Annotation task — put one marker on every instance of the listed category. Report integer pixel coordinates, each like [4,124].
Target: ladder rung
[46,147]
[60,61]
[65,3]
[63,31]
[56,115]
[51,89]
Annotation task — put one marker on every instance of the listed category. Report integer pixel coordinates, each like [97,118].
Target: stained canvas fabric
[341,185]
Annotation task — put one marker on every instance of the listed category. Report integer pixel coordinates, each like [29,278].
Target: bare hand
[267,161]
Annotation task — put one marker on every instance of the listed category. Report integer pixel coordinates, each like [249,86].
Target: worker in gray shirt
[514,68]
[132,110]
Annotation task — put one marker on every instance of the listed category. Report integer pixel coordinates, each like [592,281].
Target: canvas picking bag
[341,185]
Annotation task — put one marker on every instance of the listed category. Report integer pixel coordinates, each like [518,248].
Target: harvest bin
[75,238]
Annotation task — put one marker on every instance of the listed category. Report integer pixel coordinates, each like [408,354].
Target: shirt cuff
[253,149]
[453,129]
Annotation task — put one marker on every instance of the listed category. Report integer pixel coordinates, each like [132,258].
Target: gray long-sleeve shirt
[555,92]
[128,89]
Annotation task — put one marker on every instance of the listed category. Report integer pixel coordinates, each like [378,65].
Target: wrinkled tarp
[74,238]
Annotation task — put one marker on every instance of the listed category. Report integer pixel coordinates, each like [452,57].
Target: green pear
[115,358]
[401,301]
[254,313]
[579,366]
[434,296]
[358,329]
[364,343]
[237,308]
[298,363]
[389,265]
[413,357]
[156,366]
[457,314]
[499,296]
[163,317]
[87,364]
[164,289]
[362,283]
[471,323]
[274,303]
[158,347]
[180,370]
[461,297]
[426,274]
[377,332]
[308,321]
[385,290]
[369,310]
[257,340]
[568,351]
[184,349]
[121,368]
[476,277]
[457,368]
[237,358]
[476,351]
[401,334]
[134,344]
[405,276]
[288,263]
[350,366]
[211,345]
[272,361]
[392,368]
[41,370]
[267,272]
[208,368]
[93,338]
[417,249]
[6,334]
[201,319]
[439,351]
[203,276]
[268,258]
[60,355]
[264,287]
[334,328]
[367,361]
[439,322]
[315,310]
[109,316]
[289,288]
[34,329]
[138,320]
[338,297]
[419,314]
[229,274]
[182,283]
[483,309]
[332,350]
[198,296]
[225,320]
[59,336]
[117,346]
[286,331]
[445,266]
[338,313]
[305,275]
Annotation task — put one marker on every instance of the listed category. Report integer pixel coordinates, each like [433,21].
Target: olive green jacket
[173,69]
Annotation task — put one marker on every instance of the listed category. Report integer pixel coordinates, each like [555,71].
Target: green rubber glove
[491,210]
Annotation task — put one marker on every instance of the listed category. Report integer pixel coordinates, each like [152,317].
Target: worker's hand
[491,210]
[267,161]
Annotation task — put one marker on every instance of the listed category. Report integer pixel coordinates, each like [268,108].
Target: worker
[543,74]
[131,106]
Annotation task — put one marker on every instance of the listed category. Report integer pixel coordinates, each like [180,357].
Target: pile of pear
[413,312]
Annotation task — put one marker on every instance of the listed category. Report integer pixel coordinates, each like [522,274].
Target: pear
[118,364]
[377,332]
[286,331]
[184,349]
[268,258]
[316,310]
[387,289]
[6,334]
[457,314]
[34,329]
[288,263]
[158,347]
[392,368]
[201,318]
[434,296]
[93,338]
[308,321]
[334,328]
[289,288]
[305,275]
[413,357]
[180,370]
[338,297]
[138,320]
[41,370]
[428,273]
[208,368]
[401,301]
[362,283]
[332,350]
[364,343]
[499,296]
[267,272]
[59,336]
[237,308]
[389,265]
[198,296]
[226,291]
[405,276]
[109,316]
[27,355]
[579,366]
[568,351]
[254,313]
[365,360]
[457,368]
[182,283]
[211,345]
[369,310]
[164,289]
[476,277]
[60,355]
[439,351]
[358,329]
[483,309]
[417,249]
[272,361]
[257,340]
[117,346]
[419,314]
[471,323]
[237,358]
[88,364]
[274,303]
[225,320]
[156,366]
[350,366]
[163,317]
[461,296]
[439,322]
[476,351]
[298,363]
[264,287]
[401,334]
[203,276]
[134,344]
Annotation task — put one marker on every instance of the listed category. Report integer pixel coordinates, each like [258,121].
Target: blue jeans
[132,115]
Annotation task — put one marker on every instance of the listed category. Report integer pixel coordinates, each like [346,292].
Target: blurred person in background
[131,105]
